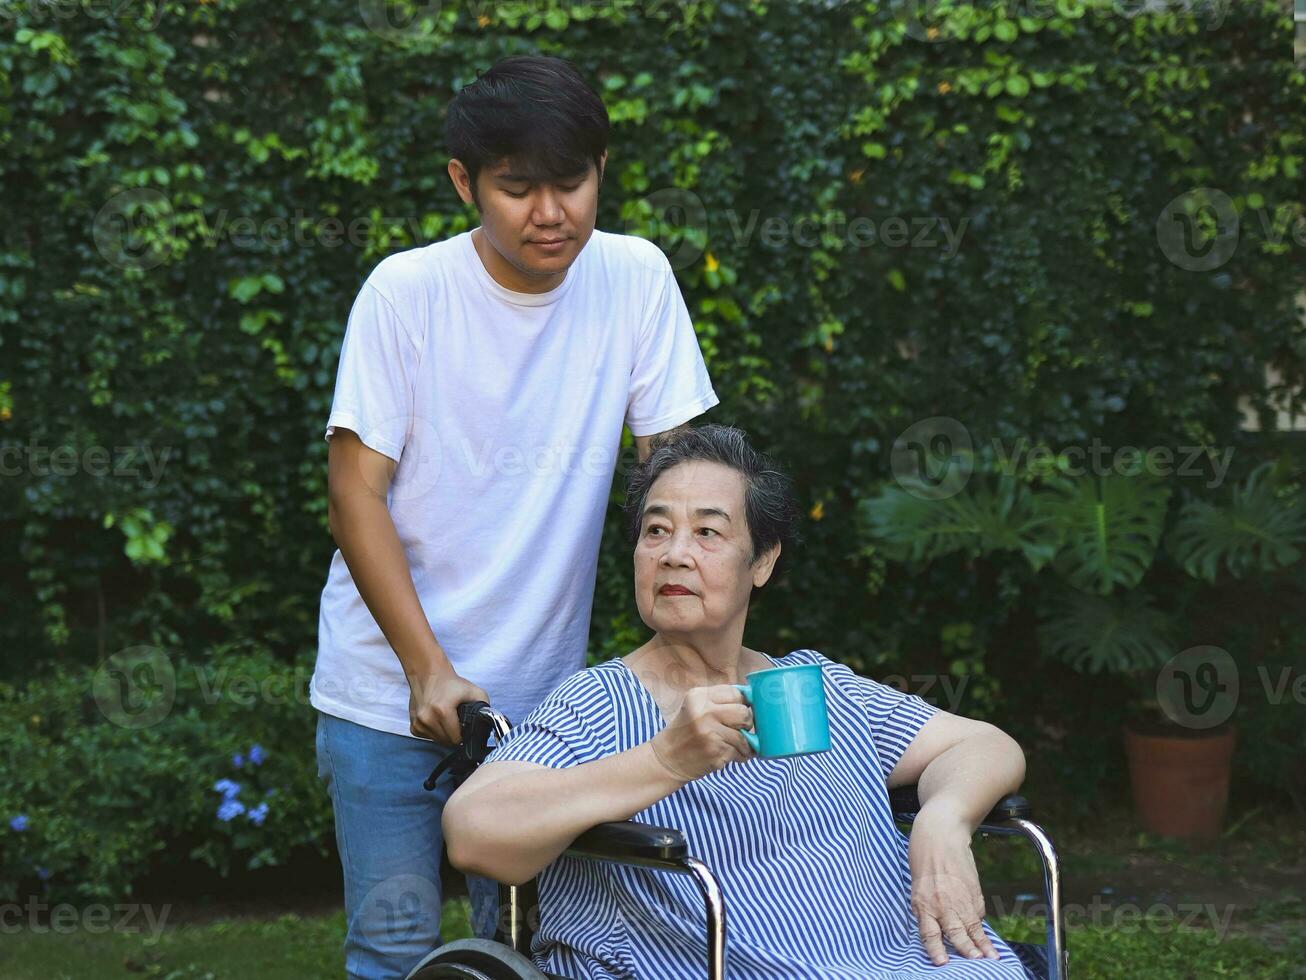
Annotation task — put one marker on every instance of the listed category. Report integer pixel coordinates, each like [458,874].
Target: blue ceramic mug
[789,713]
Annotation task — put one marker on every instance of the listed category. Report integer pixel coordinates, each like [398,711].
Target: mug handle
[753,740]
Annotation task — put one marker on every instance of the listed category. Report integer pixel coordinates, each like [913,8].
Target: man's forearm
[965,782]
[513,827]
[369,543]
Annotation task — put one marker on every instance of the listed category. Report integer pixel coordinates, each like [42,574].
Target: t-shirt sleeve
[896,716]
[669,383]
[375,378]
[571,726]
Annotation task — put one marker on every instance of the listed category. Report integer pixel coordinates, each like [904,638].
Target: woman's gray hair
[770,507]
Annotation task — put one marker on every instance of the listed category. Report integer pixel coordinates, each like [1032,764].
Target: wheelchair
[507,956]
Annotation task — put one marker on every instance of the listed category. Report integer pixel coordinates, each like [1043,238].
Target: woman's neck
[682,664]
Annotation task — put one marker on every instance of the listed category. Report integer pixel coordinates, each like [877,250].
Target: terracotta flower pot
[1181,782]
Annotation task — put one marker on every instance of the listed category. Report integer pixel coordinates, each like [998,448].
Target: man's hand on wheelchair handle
[945,889]
[433,701]
[704,735]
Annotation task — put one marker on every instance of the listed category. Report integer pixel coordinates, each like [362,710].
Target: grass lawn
[1236,908]
[294,947]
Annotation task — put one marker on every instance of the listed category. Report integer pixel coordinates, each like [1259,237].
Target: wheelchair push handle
[462,761]
[467,714]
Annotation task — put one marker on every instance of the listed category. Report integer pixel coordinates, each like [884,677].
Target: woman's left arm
[961,768]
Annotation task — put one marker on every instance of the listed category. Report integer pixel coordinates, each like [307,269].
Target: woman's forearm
[966,782]
[512,827]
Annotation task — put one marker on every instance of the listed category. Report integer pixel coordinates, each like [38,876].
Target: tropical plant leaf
[911,524]
[1110,526]
[1094,634]
[1258,531]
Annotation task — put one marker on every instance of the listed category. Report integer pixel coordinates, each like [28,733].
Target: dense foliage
[913,236]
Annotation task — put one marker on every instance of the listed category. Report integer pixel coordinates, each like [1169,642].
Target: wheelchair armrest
[630,840]
[905,802]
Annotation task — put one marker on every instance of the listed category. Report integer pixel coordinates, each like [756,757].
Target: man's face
[519,216]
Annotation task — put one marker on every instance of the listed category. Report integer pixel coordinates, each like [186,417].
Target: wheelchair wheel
[478,959]
[1033,957]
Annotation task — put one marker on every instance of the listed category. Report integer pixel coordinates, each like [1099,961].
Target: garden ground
[1138,907]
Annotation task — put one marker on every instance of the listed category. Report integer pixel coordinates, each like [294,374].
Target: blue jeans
[390,841]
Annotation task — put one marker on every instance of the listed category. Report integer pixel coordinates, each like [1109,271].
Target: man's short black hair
[534,111]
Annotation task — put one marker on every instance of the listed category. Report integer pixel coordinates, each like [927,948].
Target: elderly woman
[818,880]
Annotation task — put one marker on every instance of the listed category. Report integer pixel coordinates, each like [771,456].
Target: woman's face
[692,570]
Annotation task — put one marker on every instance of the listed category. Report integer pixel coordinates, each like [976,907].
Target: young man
[479,403]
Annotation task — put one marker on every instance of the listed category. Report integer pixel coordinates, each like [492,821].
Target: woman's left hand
[945,887]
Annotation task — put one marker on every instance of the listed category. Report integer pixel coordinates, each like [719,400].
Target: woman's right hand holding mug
[704,735]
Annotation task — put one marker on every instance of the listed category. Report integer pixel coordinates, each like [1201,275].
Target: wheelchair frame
[665,849]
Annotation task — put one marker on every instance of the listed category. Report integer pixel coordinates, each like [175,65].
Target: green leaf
[1259,531]
[1017,85]
[1111,525]
[246,288]
[1095,634]
[912,522]
[131,57]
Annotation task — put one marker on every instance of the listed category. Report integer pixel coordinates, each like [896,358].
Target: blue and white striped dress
[813,869]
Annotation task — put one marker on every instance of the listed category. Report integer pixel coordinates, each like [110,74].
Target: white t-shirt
[504,411]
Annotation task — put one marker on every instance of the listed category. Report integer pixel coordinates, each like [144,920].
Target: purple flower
[43,873]
[19,822]
[230,809]
[258,814]
[227,788]
[237,760]
[257,755]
